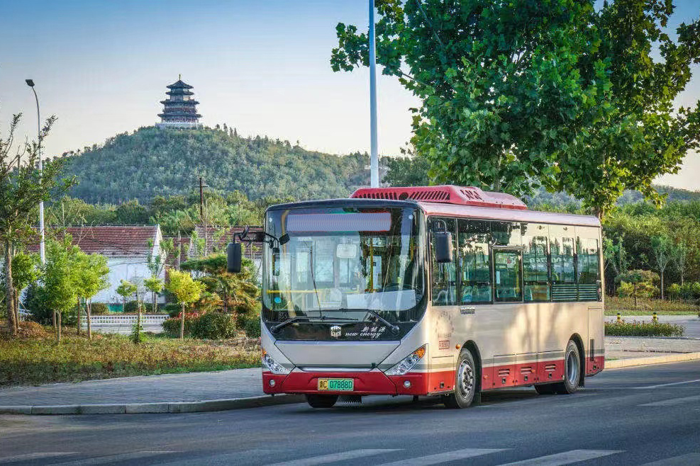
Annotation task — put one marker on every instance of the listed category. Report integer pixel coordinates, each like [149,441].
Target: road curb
[634,362]
[155,408]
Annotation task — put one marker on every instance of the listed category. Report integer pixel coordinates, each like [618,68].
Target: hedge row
[211,326]
[643,329]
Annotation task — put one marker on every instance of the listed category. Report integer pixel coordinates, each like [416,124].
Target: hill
[152,162]
[563,201]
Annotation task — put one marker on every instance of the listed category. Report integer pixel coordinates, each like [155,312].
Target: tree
[126,289]
[663,254]
[640,284]
[520,94]
[186,291]
[615,255]
[91,277]
[237,291]
[58,289]
[156,264]
[22,187]
[155,285]
[26,270]
[407,171]
[680,255]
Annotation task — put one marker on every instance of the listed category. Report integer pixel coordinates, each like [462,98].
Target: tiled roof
[110,240]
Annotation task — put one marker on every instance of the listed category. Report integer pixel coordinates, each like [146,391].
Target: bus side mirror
[234,257]
[443,247]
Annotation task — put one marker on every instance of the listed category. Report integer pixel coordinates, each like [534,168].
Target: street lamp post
[42,247]
[374,156]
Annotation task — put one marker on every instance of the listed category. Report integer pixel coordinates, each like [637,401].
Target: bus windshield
[344,259]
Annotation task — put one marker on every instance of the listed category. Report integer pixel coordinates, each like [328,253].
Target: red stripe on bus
[424,383]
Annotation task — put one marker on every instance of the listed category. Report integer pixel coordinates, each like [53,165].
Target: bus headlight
[408,362]
[272,365]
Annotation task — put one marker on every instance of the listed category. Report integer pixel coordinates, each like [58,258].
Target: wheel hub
[465,377]
[572,368]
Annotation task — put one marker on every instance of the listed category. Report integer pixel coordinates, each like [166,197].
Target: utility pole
[42,246]
[374,156]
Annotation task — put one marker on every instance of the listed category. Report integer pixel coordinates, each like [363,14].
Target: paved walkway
[639,347]
[245,383]
[196,386]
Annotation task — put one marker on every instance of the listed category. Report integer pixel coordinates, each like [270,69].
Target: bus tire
[465,383]
[572,370]
[321,401]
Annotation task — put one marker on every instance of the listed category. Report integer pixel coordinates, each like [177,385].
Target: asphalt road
[637,416]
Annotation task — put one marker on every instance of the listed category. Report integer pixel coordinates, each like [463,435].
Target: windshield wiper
[284,323]
[394,328]
[292,320]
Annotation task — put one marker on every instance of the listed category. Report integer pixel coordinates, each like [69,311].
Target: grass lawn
[37,360]
[625,306]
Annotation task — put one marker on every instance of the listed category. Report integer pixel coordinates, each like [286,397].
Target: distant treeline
[152,162]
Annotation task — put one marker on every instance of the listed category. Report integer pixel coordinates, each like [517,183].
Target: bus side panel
[595,351]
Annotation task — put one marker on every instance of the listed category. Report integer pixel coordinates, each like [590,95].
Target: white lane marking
[666,384]
[567,457]
[35,456]
[114,458]
[444,457]
[673,401]
[683,460]
[333,457]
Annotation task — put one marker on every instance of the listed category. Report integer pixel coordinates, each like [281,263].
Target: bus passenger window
[444,276]
[508,278]
[563,269]
[474,261]
[535,262]
[588,269]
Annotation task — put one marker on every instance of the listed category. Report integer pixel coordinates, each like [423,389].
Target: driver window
[444,276]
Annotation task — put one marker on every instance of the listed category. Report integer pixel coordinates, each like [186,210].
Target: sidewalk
[197,391]
[241,388]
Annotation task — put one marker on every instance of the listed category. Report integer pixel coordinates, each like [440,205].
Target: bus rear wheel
[572,371]
[465,383]
[321,401]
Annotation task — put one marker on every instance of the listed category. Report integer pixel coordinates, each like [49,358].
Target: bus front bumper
[374,382]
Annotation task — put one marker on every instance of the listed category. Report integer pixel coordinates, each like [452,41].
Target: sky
[261,66]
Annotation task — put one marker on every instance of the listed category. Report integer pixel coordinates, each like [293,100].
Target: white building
[127,249]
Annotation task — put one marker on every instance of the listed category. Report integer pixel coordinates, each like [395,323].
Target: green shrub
[674,291]
[252,327]
[689,291]
[171,326]
[36,307]
[214,326]
[132,307]
[643,329]
[98,309]
[172,309]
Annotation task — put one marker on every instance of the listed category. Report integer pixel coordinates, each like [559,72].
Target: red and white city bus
[428,291]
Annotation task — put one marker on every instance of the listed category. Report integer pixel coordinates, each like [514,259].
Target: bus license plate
[336,385]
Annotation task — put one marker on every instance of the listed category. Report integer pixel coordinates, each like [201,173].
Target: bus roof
[488,213]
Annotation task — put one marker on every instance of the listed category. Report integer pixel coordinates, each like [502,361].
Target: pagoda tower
[180,108]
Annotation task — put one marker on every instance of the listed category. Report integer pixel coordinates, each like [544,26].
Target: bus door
[508,288]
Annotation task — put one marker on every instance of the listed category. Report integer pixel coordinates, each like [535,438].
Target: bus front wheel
[321,401]
[465,383]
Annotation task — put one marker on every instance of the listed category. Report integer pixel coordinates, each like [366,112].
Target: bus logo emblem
[335,331]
